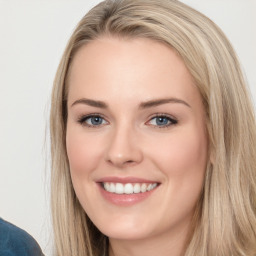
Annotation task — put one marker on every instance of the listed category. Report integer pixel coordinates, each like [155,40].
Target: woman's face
[136,126]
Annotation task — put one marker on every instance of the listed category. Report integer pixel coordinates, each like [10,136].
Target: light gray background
[33,34]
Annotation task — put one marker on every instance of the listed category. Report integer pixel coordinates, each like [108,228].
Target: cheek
[183,153]
[83,152]
[183,159]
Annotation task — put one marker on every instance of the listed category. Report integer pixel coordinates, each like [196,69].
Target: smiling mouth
[128,188]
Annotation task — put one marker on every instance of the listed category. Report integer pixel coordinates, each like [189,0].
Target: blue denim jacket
[17,242]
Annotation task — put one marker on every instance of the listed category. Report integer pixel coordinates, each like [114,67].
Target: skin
[124,74]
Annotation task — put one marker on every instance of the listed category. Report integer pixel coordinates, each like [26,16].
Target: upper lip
[125,180]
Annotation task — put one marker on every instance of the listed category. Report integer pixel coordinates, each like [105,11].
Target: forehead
[128,69]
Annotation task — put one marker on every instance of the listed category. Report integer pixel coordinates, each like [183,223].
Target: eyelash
[82,120]
[171,121]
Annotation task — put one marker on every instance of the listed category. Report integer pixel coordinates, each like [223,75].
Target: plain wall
[33,35]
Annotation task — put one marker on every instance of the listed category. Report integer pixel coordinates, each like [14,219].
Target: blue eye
[92,120]
[162,121]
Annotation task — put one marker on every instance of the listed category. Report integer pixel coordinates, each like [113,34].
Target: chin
[126,234]
[128,229]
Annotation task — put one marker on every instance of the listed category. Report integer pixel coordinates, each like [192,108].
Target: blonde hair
[225,218]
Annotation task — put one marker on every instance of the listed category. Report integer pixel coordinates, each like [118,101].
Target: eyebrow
[143,105]
[89,102]
[157,102]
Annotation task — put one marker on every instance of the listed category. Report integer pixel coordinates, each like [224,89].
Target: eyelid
[82,118]
[173,120]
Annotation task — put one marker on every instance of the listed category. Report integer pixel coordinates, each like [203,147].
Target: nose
[124,148]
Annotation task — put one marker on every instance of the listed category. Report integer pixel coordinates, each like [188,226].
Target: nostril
[129,162]
[120,163]
[123,156]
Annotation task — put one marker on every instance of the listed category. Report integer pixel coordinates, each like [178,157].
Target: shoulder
[15,241]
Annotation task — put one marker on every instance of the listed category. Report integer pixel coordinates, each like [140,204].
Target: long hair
[225,217]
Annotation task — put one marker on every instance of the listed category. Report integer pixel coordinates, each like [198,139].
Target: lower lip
[125,199]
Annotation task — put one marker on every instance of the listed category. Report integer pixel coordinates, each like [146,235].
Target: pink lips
[124,199]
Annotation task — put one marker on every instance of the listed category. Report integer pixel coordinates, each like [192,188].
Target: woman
[152,136]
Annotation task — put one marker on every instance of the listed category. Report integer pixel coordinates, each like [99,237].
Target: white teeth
[112,188]
[119,188]
[149,187]
[154,185]
[106,186]
[143,188]
[128,188]
[136,188]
